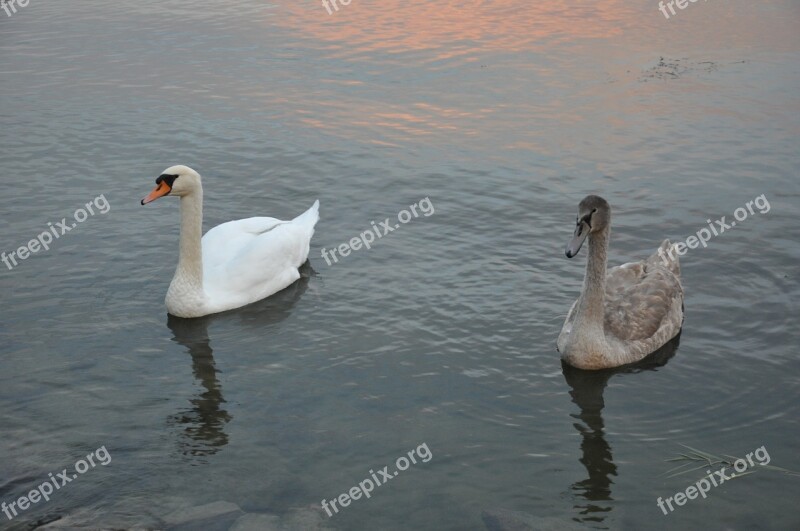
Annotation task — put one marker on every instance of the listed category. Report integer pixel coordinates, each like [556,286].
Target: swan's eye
[594,210]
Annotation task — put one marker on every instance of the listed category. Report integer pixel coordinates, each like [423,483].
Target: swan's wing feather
[277,245]
[638,297]
[270,252]
[567,328]
[666,256]
[227,240]
[248,259]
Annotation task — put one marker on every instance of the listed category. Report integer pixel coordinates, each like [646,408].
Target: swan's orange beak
[159,191]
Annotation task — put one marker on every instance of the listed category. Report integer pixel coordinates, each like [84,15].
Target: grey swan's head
[594,215]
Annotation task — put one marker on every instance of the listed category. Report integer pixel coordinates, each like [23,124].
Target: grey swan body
[623,313]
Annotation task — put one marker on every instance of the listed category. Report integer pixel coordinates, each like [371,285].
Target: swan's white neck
[590,313]
[190,262]
[185,297]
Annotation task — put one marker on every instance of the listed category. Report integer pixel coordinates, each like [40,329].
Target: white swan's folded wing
[227,240]
[249,259]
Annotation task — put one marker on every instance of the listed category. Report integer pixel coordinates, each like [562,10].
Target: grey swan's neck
[591,310]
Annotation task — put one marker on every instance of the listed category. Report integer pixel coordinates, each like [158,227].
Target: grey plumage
[624,313]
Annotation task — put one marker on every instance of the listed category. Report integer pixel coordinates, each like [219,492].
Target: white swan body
[235,263]
[625,313]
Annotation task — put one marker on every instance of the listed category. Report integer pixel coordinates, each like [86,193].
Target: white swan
[236,263]
[625,313]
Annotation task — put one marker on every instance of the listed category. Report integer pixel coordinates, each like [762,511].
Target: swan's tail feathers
[310,216]
[667,256]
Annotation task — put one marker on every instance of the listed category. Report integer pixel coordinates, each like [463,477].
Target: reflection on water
[586,390]
[203,424]
[452,29]
[508,112]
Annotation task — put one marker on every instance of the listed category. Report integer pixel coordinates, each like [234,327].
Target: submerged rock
[257,522]
[305,519]
[89,520]
[215,516]
[505,520]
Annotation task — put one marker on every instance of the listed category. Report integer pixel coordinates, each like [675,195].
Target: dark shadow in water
[203,423]
[587,389]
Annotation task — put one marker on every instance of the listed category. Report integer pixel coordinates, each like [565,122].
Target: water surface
[505,114]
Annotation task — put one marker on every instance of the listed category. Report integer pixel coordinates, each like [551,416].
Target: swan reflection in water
[203,422]
[586,390]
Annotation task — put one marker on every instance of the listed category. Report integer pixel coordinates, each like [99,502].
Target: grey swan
[623,313]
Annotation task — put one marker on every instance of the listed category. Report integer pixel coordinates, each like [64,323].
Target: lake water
[504,114]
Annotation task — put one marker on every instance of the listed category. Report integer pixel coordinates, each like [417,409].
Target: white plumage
[235,263]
